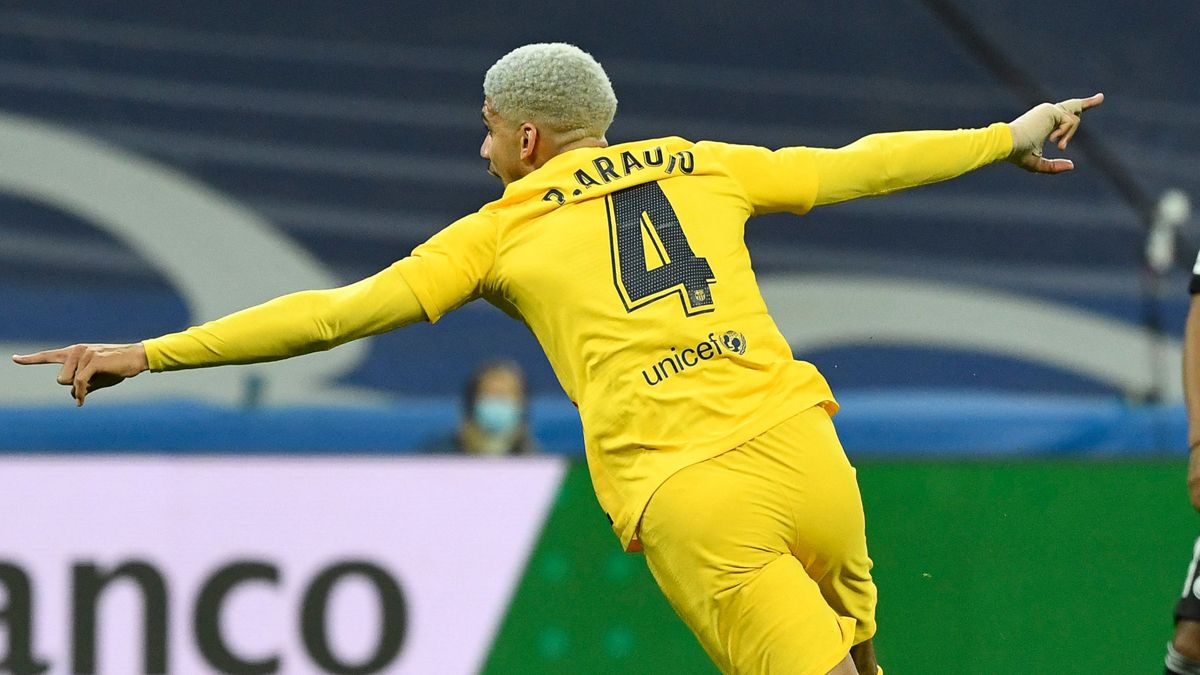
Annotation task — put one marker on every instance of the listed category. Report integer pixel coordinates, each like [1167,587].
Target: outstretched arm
[1191,387]
[795,179]
[884,163]
[441,274]
[291,325]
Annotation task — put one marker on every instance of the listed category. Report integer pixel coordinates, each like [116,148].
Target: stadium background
[1007,365]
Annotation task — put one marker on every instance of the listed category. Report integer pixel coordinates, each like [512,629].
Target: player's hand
[86,368]
[1056,122]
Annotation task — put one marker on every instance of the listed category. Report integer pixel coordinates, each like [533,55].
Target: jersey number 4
[639,215]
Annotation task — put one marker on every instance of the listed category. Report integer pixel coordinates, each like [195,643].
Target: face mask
[497,414]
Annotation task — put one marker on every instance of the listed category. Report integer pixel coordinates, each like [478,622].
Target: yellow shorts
[762,551]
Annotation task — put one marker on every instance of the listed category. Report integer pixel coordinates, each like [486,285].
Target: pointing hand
[88,367]
[1056,122]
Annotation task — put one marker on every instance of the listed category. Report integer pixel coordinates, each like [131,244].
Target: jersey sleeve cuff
[1002,139]
[153,355]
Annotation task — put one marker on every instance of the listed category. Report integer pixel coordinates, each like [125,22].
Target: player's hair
[553,84]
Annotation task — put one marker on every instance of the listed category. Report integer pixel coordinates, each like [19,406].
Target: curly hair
[555,84]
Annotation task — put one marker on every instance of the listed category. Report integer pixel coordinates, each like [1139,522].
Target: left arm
[795,179]
[882,163]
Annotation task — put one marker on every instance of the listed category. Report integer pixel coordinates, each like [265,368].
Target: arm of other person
[440,275]
[1191,385]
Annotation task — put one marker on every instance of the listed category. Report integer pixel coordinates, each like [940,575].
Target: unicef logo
[734,341]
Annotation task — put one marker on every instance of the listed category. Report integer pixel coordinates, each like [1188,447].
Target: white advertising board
[262,565]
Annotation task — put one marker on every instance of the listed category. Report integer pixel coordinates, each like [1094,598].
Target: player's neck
[552,152]
[582,143]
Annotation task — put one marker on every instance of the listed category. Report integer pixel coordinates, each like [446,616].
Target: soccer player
[709,446]
[1183,653]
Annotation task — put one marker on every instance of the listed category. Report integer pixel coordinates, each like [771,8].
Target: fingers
[87,367]
[1072,110]
[1070,133]
[67,373]
[1067,123]
[1038,164]
[1043,165]
[83,376]
[74,360]
[48,356]
[1076,106]
[1073,106]
[1065,131]
[1059,131]
[1091,101]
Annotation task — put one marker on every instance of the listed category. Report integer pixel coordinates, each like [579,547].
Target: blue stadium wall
[344,137]
[163,164]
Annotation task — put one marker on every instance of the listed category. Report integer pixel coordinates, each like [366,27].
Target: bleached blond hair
[554,84]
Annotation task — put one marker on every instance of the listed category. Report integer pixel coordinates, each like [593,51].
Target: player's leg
[716,540]
[1183,652]
[846,667]
[830,540]
[863,655]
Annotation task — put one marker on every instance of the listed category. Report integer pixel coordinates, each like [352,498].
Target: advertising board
[261,565]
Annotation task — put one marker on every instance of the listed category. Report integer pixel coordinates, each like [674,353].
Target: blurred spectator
[495,412]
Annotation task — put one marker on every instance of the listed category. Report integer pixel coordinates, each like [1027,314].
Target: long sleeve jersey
[629,265]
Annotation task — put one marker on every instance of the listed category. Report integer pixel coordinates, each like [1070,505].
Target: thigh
[821,487]
[717,540]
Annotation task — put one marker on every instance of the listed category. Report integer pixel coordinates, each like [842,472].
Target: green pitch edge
[983,567]
[584,606]
[1027,568]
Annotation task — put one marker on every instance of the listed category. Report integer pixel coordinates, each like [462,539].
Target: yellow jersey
[629,265]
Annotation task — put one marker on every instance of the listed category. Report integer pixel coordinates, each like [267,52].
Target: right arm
[291,325]
[441,274]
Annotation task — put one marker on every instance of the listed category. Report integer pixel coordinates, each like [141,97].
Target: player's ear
[529,140]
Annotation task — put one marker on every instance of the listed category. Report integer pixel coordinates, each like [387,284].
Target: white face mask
[497,414]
